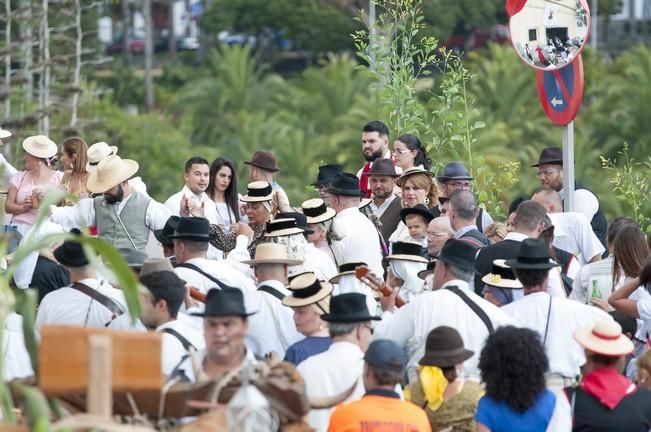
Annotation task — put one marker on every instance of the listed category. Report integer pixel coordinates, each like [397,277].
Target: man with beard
[123,216]
[375,145]
[386,205]
[550,173]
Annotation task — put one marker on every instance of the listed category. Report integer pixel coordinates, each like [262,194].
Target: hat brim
[192,237]
[4,133]
[446,360]
[549,162]
[618,347]
[127,170]
[222,314]
[266,168]
[415,211]
[364,202]
[324,292]
[247,198]
[447,178]
[285,232]
[336,278]
[42,153]
[289,262]
[344,192]
[162,238]
[424,273]
[490,280]
[400,180]
[350,318]
[66,261]
[330,213]
[515,264]
[405,257]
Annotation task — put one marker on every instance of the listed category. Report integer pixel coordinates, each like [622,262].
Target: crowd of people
[396,301]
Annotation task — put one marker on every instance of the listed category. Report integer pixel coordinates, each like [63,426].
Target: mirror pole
[568,166]
[594,35]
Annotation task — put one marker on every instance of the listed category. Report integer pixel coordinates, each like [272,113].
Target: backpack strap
[105,301]
[186,343]
[190,266]
[273,291]
[475,308]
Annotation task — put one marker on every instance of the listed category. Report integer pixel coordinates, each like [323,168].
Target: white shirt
[401,233]
[566,316]
[221,270]
[319,262]
[82,214]
[67,306]
[331,373]
[555,284]
[172,349]
[599,271]
[188,365]
[173,203]
[643,299]
[410,324]
[8,171]
[379,210]
[573,233]
[272,327]
[585,202]
[16,362]
[350,284]
[360,241]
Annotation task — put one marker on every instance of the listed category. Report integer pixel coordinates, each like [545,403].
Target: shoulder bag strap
[190,266]
[105,301]
[186,343]
[549,312]
[475,308]
[273,291]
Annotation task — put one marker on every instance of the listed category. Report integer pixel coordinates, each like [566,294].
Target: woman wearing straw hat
[319,221]
[258,206]
[309,299]
[606,400]
[26,188]
[405,262]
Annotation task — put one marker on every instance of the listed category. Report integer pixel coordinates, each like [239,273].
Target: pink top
[24,187]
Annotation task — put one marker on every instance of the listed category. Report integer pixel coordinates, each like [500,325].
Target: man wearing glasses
[550,173]
[455,177]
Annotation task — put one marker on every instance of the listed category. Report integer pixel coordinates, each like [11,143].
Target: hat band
[277,226]
[400,248]
[448,352]
[308,291]
[315,211]
[186,234]
[502,273]
[527,260]
[259,192]
[349,266]
[603,336]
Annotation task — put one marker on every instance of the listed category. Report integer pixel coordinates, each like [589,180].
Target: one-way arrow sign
[561,91]
[556,102]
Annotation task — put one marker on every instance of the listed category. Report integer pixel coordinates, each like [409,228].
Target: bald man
[439,231]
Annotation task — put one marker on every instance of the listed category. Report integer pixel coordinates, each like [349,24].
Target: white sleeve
[80,215]
[586,203]
[156,215]
[486,219]
[398,326]
[580,286]
[644,305]
[555,284]
[589,242]
[562,415]
[173,204]
[574,268]
[240,253]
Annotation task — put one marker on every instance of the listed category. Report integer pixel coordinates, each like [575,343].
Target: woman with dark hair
[513,365]
[634,296]
[630,251]
[222,189]
[409,152]
[73,161]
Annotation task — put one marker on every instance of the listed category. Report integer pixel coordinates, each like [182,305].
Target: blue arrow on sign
[559,86]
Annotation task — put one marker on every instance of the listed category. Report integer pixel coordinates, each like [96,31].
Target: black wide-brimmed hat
[550,156]
[429,270]
[300,218]
[418,209]
[533,255]
[349,308]
[383,167]
[71,253]
[327,174]
[458,253]
[264,160]
[454,171]
[407,251]
[224,302]
[163,235]
[345,184]
[444,348]
[347,268]
[192,228]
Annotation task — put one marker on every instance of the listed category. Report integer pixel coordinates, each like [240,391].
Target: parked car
[136,45]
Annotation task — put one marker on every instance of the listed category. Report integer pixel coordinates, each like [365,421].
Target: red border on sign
[573,102]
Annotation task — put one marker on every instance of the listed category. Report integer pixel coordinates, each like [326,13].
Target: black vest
[598,222]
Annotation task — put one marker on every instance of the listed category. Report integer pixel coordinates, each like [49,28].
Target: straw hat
[410,172]
[316,211]
[604,338]
[40,146]
[97,153]
[111,172]
[306,289]
[4,133]
[282,227]
[272,253]
[346,269]
[501,276]
[407,251]
[258,191]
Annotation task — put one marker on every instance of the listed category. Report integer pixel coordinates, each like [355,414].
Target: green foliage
[631,179]
[445,17]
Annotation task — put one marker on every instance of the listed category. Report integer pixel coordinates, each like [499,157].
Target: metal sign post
[568,166]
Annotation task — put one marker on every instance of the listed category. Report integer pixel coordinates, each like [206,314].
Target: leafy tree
[445,18]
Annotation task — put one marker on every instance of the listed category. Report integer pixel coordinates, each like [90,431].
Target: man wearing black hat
[341,366]
[358,237]
[262,167]
[386,205]
[191,240]
[381,405]
[375,146]
[225,320]
[163,237]
[555,319]
[455,176]
[550,173]
[324,178]
[451,303]
[87,301]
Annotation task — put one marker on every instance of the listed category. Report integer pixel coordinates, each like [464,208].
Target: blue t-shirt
[307,347]
[498,416]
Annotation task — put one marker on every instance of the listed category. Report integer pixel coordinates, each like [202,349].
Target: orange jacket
[379,411]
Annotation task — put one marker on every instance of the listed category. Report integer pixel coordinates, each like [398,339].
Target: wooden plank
[100,397]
